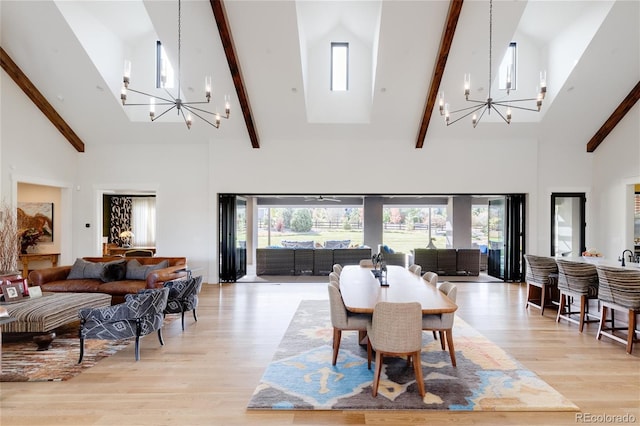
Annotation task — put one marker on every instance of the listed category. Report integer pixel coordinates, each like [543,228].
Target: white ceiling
[73,52]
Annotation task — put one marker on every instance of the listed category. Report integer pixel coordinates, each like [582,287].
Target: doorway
[568,224]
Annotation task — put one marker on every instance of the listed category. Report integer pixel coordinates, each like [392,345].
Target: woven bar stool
[619,290]
[542,275]
[577,280]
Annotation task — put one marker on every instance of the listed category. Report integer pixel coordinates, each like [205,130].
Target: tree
[301,220]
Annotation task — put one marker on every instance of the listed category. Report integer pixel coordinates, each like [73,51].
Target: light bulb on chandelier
[172,102]
[482,106]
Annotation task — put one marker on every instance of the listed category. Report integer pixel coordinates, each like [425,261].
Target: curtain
[120,218]
[143,221]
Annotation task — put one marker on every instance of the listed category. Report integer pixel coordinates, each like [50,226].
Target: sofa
[113,275]
[301,261]
[448,262]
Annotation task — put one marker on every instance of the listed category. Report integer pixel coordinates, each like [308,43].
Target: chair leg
[137,348]
[603,318]
[583,310]
[195,317]
[160,337]
[452,352]
[435,336]
[563,302]
[81,350]
[376,374]
[442,339]
[337,335]
[632,330]
[543,295]
[183,320]
[417,367]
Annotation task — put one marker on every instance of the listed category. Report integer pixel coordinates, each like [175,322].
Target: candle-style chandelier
[485,106]
[172,102]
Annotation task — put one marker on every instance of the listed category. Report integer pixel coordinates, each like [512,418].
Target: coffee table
[40,316]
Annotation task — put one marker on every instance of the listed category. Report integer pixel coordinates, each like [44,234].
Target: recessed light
[60,98]
[294,90]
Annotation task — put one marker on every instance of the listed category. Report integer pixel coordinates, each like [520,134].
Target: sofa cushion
[114,271]
[83,269]
[137,271]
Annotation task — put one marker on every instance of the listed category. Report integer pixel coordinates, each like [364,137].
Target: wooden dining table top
[361,290]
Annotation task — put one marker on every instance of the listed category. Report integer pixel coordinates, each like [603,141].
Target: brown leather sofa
[56,279]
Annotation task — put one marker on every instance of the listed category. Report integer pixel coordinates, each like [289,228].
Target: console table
[31,257]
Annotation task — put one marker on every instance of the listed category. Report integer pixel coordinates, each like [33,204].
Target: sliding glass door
[233,237]
[506,226]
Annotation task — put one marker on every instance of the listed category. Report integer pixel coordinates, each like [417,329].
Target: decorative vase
[23,248]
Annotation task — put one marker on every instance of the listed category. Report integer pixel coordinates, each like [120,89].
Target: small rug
[486,378]
[22,362]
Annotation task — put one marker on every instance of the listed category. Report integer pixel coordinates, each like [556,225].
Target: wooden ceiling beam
[617,115]
[438,71]
[234,66]
[39,100]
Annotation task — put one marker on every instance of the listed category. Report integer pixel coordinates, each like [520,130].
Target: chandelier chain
[179,41]
[490,40]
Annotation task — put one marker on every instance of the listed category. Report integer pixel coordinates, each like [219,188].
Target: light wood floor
[206,375]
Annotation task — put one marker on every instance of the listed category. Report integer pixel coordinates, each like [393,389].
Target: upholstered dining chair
[431,278]
[337,268]
[415,269]
[443,323]
[334,277]
[619,290]
[395,330]
[542,274]
[577,280]
[139,315]
[183,296]
[341,319]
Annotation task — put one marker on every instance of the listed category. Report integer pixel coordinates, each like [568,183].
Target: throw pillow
[85,269]
[114,271]
[137,271]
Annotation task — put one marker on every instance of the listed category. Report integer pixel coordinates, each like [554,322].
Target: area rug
[486,378]
[22,362]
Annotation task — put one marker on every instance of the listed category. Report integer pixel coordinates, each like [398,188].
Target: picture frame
[38,216]
[11,292]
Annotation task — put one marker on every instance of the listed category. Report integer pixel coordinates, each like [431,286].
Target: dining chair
[366,263]
[415,269]
[395,330]
[619,290]
[577,280]
[341,319]
[443,323]
[337,268]
[542,274]
[334,277]
[431,278]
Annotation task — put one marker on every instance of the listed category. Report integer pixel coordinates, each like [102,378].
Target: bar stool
[619,289]
[542,274]
[576,280]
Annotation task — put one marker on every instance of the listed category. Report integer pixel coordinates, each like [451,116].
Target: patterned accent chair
[542,274]
[139,315]
[183,296]
[619,289]
[577,280]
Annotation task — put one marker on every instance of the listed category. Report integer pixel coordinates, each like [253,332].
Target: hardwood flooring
[207,374]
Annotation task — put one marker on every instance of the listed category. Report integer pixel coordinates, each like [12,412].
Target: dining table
[361,290]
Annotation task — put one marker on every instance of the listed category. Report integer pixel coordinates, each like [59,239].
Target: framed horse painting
[38,216]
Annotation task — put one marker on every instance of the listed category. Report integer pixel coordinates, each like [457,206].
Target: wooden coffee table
[40,316]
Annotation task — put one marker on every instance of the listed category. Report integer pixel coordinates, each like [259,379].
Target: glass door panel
[496,216]
[567,224]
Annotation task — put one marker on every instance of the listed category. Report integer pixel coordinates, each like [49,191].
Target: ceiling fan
[321,198]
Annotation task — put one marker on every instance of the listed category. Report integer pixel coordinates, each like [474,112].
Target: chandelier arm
[170,95]
[506,101]
[180,111]
[468,114]
[191,110]
[170,101]
[481,115]
[473,107]
[500,114]
[166,111]
[515,106]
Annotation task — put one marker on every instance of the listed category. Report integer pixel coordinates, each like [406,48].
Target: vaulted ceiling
[272,59]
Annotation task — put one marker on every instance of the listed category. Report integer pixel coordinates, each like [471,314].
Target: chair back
[337,308]
[415,269]
[396,327]
[366,263]
[449,289]
[577,277]
[431,278]
[138,253]
[541,270]
[337,268]
[148,301]
[620,286]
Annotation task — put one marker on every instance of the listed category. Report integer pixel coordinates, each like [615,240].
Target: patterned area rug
[22,362]
[301,376]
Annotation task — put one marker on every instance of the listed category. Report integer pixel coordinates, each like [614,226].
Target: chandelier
[485,106]
[172,102]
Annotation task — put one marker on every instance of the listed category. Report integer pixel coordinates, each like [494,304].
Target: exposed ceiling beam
[624,107]
[39,100]
[438,71]
[234,66]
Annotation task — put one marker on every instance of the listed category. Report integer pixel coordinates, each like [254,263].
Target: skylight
[164,70]
[339,67]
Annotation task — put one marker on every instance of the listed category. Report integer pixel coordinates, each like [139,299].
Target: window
[408,227]
[508,68]
[339,67]
[164,70]
[143,221]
